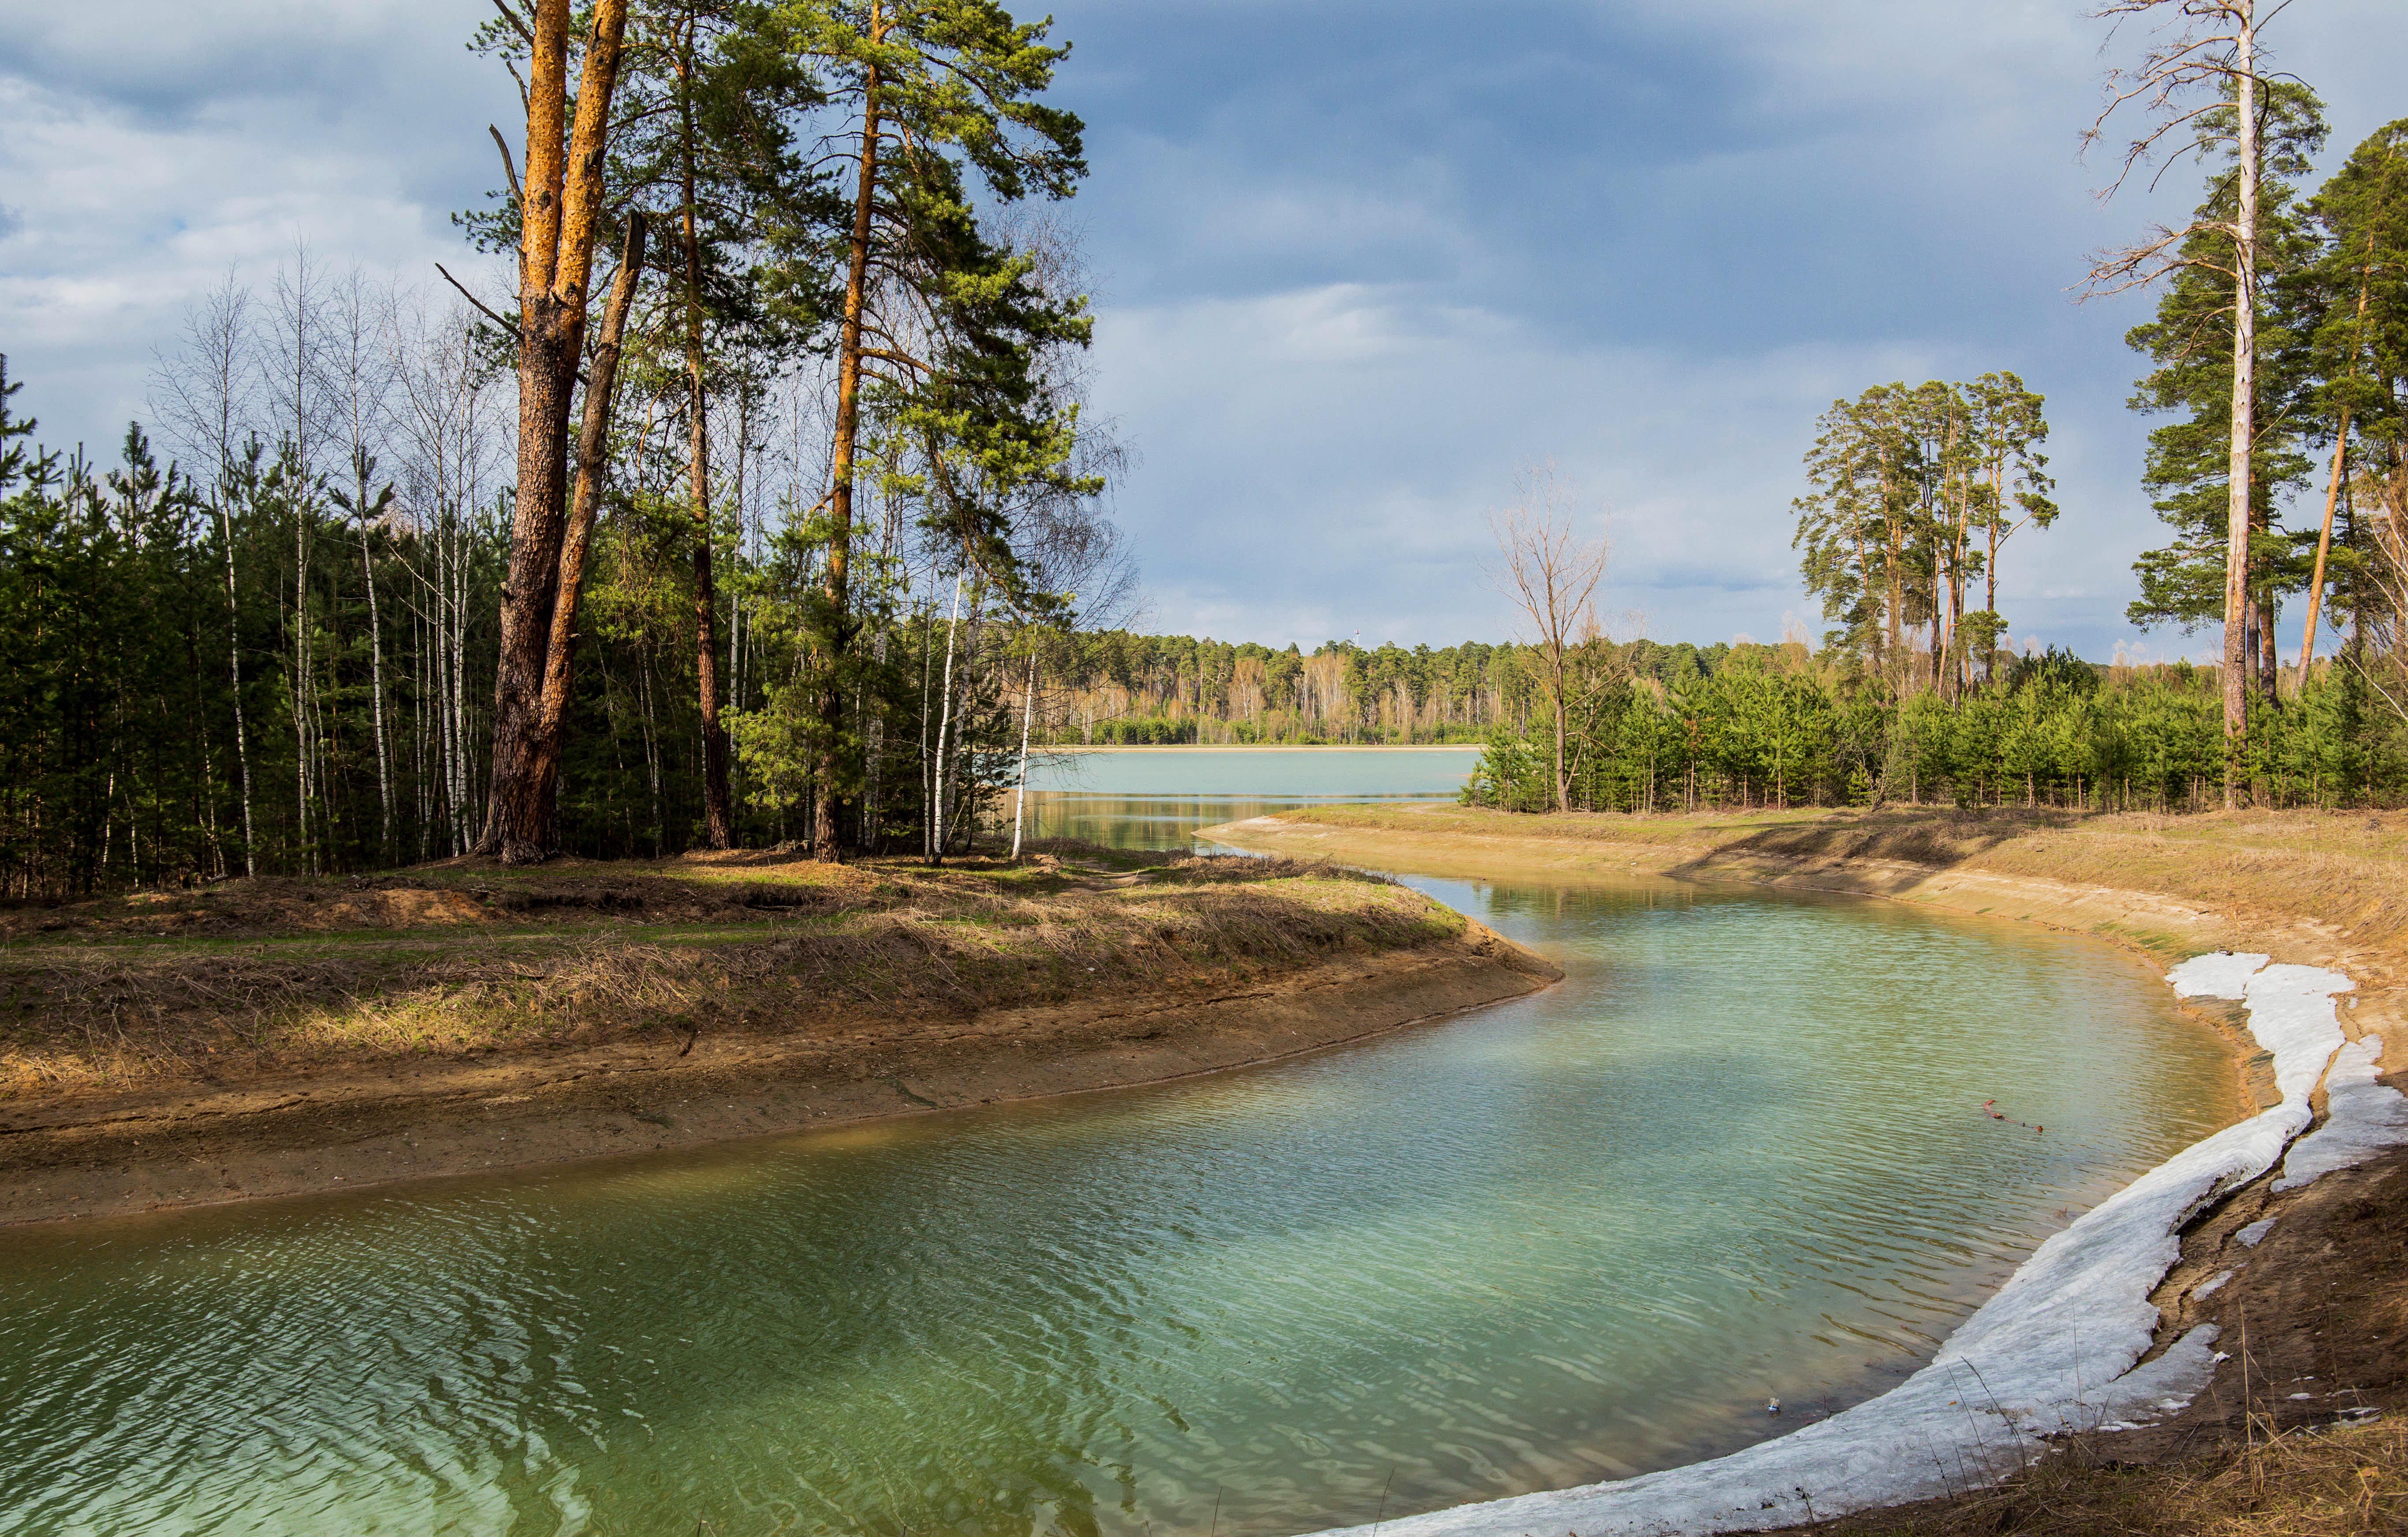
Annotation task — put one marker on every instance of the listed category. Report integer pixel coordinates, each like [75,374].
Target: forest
[767,505]
[733,521]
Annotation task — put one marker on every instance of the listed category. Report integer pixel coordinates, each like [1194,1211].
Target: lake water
[1153,798]
[1738,1151]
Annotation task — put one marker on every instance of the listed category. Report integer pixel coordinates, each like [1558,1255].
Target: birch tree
[1549,573]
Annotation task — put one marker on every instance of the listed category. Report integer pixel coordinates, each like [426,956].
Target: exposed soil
[333,1034]
[2305,1430]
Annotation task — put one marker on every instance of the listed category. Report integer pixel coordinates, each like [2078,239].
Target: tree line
[1785,726]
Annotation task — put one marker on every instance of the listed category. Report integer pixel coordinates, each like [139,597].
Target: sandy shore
[350,1126]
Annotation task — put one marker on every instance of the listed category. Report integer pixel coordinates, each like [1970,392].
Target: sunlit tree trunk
[576,539]
[559,215]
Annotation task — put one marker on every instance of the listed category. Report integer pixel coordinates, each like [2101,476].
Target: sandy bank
[347,1128]
[2305,888]
[271,1037]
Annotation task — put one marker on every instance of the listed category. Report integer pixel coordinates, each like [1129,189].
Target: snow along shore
[2053,1350]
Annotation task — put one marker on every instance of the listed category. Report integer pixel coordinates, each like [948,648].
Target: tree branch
[509,170]
[498,318]
[517,26]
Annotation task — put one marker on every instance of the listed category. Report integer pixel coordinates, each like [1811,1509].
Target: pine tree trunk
[2324,542]
[576,539]
[557,224]
[2245,397]
[824,835]
[718,827]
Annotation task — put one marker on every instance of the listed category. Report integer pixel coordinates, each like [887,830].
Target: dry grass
[107,994]
[2305,1482]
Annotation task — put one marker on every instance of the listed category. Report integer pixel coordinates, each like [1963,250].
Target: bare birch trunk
[233,664]
[1028,714]
[944,725]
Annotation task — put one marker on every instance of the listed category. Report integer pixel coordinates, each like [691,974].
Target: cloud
[150,153]
[1362,259]
[1332,454]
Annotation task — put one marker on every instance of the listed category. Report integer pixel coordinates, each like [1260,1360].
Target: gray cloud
[1362,260]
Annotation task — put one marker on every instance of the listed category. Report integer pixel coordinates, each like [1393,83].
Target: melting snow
[2364,1116]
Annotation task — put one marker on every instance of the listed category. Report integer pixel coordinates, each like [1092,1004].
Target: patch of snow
[2215,976]
[2255,1234]
[2053,1350]
[2210,1287]
[2364,1116]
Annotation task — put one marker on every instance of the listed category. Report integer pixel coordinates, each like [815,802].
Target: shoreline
[360,1126]
[2147,1281]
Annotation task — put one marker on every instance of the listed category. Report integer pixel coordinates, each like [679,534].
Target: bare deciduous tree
[2383,659]
[204,395]
[1551,573]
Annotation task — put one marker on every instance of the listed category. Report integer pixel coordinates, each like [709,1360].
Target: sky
[1359,267]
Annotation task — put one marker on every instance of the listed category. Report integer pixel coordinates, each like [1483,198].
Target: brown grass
[467,959]
[2305,1482]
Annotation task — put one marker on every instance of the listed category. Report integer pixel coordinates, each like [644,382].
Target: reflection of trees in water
[1556,901]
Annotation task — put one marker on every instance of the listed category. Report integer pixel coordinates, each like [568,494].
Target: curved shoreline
[347,1129]
[2012,1375]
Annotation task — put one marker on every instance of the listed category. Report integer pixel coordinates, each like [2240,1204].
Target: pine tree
[939,93]
[2192,340]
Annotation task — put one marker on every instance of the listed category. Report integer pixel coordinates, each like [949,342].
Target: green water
[1738,1151]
